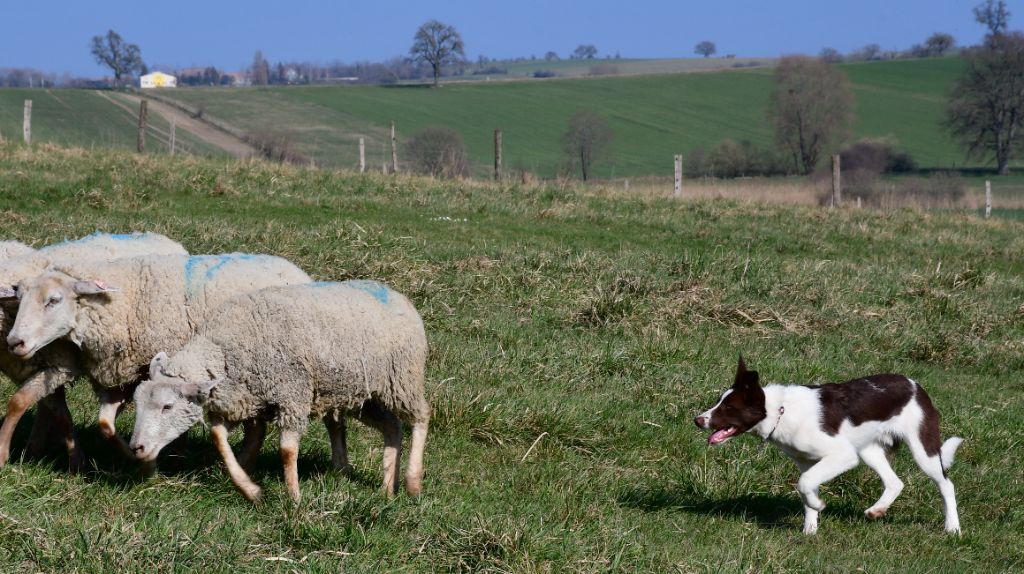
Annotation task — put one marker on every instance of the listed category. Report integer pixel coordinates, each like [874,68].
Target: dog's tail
[948,451]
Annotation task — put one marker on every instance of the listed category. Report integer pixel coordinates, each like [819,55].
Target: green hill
[653,117]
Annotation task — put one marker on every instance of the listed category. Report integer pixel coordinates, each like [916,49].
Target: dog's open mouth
[721,435]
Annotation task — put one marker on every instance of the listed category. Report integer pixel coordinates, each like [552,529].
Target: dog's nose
[699,421]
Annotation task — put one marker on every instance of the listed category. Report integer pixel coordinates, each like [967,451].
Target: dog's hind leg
[874,456]
[811,480]
[932,466]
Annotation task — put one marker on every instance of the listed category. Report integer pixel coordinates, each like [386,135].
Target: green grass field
[573,338]
[89,118]
[652,116]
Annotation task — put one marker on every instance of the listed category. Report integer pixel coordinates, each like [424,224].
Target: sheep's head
[166,406]
[48,310]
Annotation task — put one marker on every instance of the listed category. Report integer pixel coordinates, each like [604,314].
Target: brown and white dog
[828,429]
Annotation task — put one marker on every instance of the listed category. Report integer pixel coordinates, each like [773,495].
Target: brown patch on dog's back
[873,398]
[929,432]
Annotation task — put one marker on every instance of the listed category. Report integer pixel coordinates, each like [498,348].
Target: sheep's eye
[53,300]
[168,407]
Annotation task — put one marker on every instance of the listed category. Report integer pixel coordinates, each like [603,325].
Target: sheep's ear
[199,393]
[8,292]
[157,364]
[92,288]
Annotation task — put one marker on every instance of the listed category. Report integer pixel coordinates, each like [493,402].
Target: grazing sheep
[287,354]
[156,305]
[59,363]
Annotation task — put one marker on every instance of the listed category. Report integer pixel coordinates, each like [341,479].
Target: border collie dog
[828,429]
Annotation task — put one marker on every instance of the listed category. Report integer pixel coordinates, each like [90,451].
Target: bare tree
[986,106]
[587,141]
[260,69]
[993,15]
[810,107]
[122,58]
[551,56]
[705,48]
[438,151]
[437,44]
[584,52]
[939,43]
[830,55]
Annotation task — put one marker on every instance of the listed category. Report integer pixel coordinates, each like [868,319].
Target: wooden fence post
[988,199]
[362,155]
[497,155]
[171,143]
[394,149]
[677,191]
[837,195]
[143,108]
[26,126]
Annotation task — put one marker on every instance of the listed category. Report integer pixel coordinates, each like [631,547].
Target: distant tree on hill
[705,48]
[939,44]
[551,56]
[586,141]
[986,106]
[584,52]
[122,58]
[438,45]
[869,52]
[993,15]
[830,55]
[260,70]
[810,108]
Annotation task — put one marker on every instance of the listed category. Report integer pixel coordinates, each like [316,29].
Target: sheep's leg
[249,489]
[29,394]
[414,474]
[37,439]
[290,459]
[252,441]
[339,450]
[57,405]
[391,427]
[111,402]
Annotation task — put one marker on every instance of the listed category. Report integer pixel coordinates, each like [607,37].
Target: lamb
[287,354]
[59,363]
[159,302]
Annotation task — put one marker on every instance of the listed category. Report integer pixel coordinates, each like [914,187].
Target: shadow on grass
[766,511]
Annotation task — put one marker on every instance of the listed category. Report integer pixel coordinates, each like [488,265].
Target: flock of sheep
[252,339]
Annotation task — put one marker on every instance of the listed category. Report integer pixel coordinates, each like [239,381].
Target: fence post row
[497,155]
[988,199]
[394,149]
[837,196]
[362,155]
[143,108]
[26,126]
[173,129]
[677,191]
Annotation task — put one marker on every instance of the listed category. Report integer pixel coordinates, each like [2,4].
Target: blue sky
[53,35]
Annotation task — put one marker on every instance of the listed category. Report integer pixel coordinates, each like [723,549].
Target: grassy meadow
[652,116]
[574,335]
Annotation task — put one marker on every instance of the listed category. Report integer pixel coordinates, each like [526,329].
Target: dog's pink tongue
[720,435]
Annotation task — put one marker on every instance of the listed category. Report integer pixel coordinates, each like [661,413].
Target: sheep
[58,363]
[157,304]
[287,354]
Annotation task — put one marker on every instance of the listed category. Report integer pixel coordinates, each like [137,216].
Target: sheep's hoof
[413,487]
[254,494]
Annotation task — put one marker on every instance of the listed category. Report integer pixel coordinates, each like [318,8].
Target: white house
[158,80]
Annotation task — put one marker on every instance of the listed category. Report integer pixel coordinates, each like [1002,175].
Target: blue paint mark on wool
[97,235]
[198,273]
[378,291]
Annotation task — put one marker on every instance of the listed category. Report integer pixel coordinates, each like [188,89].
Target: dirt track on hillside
[198,128]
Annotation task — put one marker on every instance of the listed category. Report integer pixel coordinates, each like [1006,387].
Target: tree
[111,51]
[551,56]
[939,43]
[993,15]
[830,55]
[260,69]
[584,52]
[437,151]
[586,141]
[705,48]
[810,108]
[986,105]
[437,44]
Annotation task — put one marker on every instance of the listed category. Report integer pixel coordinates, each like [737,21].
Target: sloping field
[574,337]
[90,118]
[653,116]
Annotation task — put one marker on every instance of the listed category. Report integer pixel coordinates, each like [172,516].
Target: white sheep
[121,312]
[59,363]
[287,354]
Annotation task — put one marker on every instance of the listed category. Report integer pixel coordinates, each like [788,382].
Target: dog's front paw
[876,513]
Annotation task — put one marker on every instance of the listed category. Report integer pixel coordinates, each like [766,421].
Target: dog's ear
[744,377]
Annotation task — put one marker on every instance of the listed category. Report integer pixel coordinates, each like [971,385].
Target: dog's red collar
[782,409]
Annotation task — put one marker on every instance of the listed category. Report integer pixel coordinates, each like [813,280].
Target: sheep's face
[48,310]
[166,406]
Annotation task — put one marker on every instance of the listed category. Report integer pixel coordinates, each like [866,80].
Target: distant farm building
[158,80]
